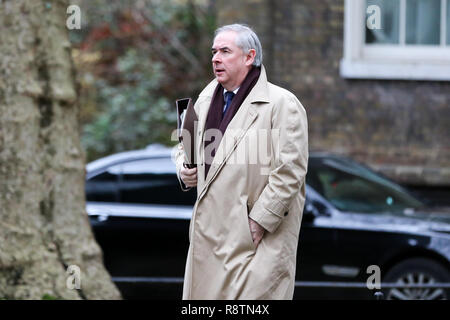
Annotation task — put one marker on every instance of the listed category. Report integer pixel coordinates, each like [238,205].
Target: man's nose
[215,57]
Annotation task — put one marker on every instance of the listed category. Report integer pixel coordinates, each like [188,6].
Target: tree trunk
[44,227]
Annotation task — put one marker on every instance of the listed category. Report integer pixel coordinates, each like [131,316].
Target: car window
[351,192]
[152,181]
[103,187]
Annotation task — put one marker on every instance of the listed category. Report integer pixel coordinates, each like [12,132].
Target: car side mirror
[314,209]
[309,212]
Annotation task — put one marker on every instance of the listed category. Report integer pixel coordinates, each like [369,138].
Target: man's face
[230,64]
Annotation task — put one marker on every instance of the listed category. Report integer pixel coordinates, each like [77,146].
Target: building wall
[401,128]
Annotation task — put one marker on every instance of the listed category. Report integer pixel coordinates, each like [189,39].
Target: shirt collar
[234,91]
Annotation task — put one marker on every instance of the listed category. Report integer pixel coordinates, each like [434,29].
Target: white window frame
[402,62]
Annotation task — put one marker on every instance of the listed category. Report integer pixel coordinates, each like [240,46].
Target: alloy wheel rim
[416,278]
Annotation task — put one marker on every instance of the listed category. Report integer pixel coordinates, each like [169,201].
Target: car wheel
[417,271]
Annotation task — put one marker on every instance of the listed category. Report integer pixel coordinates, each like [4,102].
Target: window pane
[448,23]
[389,16]
[354,189]
[103,187]
[423,21]
[153,181]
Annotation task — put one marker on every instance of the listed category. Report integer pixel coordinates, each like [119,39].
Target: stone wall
[401,128]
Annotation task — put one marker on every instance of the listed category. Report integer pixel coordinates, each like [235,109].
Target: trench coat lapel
[236,129]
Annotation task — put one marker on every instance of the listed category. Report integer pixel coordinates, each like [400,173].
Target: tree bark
[44,227]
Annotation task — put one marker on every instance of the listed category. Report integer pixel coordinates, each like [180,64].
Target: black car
[355,223]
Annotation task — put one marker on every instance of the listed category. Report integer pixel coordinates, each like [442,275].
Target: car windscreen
[353,188]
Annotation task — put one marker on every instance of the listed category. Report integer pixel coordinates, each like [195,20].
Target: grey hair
[246,39]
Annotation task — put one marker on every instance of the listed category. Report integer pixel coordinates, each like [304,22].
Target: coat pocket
[249,233]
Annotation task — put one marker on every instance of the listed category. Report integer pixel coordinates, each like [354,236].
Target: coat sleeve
[289,140]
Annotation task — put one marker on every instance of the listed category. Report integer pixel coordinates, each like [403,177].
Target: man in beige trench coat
[252,154]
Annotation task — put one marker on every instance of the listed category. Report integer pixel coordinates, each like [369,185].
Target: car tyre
[417,271]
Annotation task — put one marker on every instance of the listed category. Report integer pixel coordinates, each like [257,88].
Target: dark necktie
[228,97]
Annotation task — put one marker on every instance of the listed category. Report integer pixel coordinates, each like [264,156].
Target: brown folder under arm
[187,125]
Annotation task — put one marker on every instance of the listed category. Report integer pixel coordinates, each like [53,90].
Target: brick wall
[399,127]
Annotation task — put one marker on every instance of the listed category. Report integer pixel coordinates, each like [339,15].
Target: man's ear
[250,57]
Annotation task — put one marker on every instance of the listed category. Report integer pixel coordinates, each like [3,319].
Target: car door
[317,249]
[144,235]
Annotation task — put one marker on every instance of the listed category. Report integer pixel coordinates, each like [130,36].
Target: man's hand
[189,176]
[256,230]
